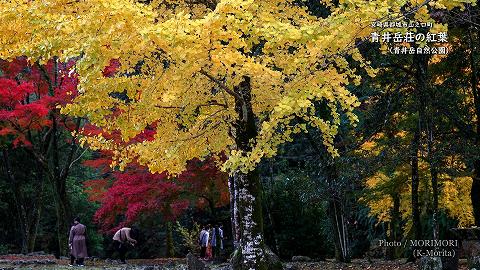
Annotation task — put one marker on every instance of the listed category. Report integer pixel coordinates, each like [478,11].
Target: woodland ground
[20,263]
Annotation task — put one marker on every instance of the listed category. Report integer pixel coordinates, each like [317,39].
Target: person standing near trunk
[220,233]
[123,239]
[77,243]
[203,241]
[213,241]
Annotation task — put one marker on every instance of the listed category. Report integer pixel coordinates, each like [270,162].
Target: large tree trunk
[475,191]
[417,227]
[63,218]
[234,213]
[28,214]
[426,117]
[247,192]
[18,200]
[170,252]
[249,207]
[63,212]
[416,224]
[420,63]
[432,161]
[36,210]
[33,230]
[395,234]
[52,167]
[434,176]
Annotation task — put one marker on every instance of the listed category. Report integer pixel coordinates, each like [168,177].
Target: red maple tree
[29,93]
[127,196]
[30,121]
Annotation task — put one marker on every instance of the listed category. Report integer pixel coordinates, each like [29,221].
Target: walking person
[123,239]
[77,243]
[203,242]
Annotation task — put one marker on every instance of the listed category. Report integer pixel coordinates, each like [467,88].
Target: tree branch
[229,91]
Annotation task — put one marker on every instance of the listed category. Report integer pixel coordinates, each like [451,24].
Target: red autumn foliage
[110,70]
[146,135]
[134,194]
[206,183]
[126,197]
[27,103]
[101,162]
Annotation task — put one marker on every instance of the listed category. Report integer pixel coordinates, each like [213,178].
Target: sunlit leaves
[294,60]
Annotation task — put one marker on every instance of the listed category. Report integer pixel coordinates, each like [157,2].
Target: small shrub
[190,237]
[3,249]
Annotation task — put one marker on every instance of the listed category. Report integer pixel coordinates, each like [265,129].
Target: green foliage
[3,249]
[189,236]
[298,217]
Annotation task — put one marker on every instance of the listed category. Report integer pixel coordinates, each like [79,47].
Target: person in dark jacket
[77,243]
[214,241]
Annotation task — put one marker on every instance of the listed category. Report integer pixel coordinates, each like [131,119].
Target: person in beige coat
[123,239]
[77,243]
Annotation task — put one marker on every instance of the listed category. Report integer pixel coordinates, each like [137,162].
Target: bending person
[123,239]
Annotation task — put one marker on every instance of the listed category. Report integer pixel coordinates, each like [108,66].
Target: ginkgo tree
[239,76]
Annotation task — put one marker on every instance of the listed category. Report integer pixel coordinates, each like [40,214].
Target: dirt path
[48,262]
